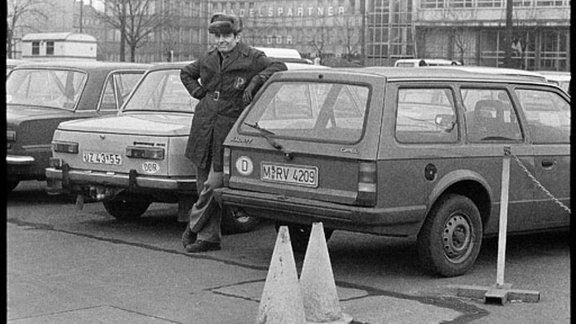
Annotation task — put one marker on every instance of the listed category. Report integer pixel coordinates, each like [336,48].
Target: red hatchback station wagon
[403,152]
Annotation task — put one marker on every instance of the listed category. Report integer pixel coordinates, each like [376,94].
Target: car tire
[300,235]
[126,207]
[450,239]
[11,185]
[235,220]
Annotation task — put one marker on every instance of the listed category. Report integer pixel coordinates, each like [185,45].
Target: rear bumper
[20,160]
[402,221]
[66,178]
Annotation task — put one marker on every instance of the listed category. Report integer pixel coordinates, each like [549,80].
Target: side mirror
[445,122]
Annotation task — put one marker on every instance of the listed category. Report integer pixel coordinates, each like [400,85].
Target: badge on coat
[239,84]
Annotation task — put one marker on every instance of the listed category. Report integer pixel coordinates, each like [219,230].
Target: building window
[489,3]
[430,4]
[549,3]
[460,3]
[49,48]
[35,48]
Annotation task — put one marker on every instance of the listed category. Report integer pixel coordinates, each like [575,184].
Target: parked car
[561,79]
[41,95]
[402,152]
[12,63]
[136,158]
[424,62]
[284,54]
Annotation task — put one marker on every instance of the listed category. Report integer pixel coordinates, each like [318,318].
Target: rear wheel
[450,238]
[11,185]
[235,220]
[126,207]
[300,235]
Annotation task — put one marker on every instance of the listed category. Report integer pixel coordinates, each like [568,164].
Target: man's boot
[188,237]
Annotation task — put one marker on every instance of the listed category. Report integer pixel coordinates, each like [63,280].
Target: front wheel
[450,239]
[300,235]
[236,220]
[126,207]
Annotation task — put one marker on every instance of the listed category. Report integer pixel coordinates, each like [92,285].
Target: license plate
[291,174]
[102,158]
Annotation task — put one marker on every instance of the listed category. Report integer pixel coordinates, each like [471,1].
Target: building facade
[473,32]
[367,32]
[322,28]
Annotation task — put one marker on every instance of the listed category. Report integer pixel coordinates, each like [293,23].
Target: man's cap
[224,24]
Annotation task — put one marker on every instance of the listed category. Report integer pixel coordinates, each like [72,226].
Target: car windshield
[45,87]
[331,112]
[161,90]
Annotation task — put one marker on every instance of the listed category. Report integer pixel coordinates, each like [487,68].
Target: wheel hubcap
[240,216]
[457,238]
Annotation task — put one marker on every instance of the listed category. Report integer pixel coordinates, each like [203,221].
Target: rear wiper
[266,133]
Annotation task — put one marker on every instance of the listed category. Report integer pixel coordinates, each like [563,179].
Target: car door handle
[548,164]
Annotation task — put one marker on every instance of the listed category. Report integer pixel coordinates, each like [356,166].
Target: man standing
[224,80]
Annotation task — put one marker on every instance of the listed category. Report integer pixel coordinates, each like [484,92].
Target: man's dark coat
[220,87]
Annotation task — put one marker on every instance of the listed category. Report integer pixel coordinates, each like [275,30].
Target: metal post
[503,217]
[81,14]
[509,34]
[363,34]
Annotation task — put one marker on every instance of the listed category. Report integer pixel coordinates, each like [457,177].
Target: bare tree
[319,39]
[457,33]
[135,19]
[350,37]
[20,13]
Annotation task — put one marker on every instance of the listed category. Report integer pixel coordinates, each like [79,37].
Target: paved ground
[65,266]
[56,277]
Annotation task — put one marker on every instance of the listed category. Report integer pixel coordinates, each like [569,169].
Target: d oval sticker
[244,166]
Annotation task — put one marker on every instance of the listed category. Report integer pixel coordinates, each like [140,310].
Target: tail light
[10,136]
[226,167]
[152,153]
[65,147]
[367,184]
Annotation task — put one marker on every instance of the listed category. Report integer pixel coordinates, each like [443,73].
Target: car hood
[16,114]
[159,124]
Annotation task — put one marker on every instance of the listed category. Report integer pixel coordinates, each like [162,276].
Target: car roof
[556,75]
[179,65]
[426,73]
[80,64]
[502,71]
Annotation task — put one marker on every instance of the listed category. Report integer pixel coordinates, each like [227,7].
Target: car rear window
[45,87]
[161,91]
[332,112]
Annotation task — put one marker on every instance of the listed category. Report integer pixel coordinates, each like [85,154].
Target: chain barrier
[538,184]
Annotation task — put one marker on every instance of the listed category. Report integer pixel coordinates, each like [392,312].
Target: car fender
[454,177]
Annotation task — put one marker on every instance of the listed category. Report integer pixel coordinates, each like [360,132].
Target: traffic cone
[321,303]
[281,300]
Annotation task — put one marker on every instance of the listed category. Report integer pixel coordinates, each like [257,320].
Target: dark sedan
[41,95]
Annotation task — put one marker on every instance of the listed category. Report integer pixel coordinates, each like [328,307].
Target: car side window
[117,89]
[490,116]
[125,82]
[547,114]
[426,116]
[109,98]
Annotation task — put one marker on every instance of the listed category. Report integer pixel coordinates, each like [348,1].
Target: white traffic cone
[321,303]
[281,300]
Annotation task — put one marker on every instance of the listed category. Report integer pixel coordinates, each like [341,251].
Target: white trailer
[57,46]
